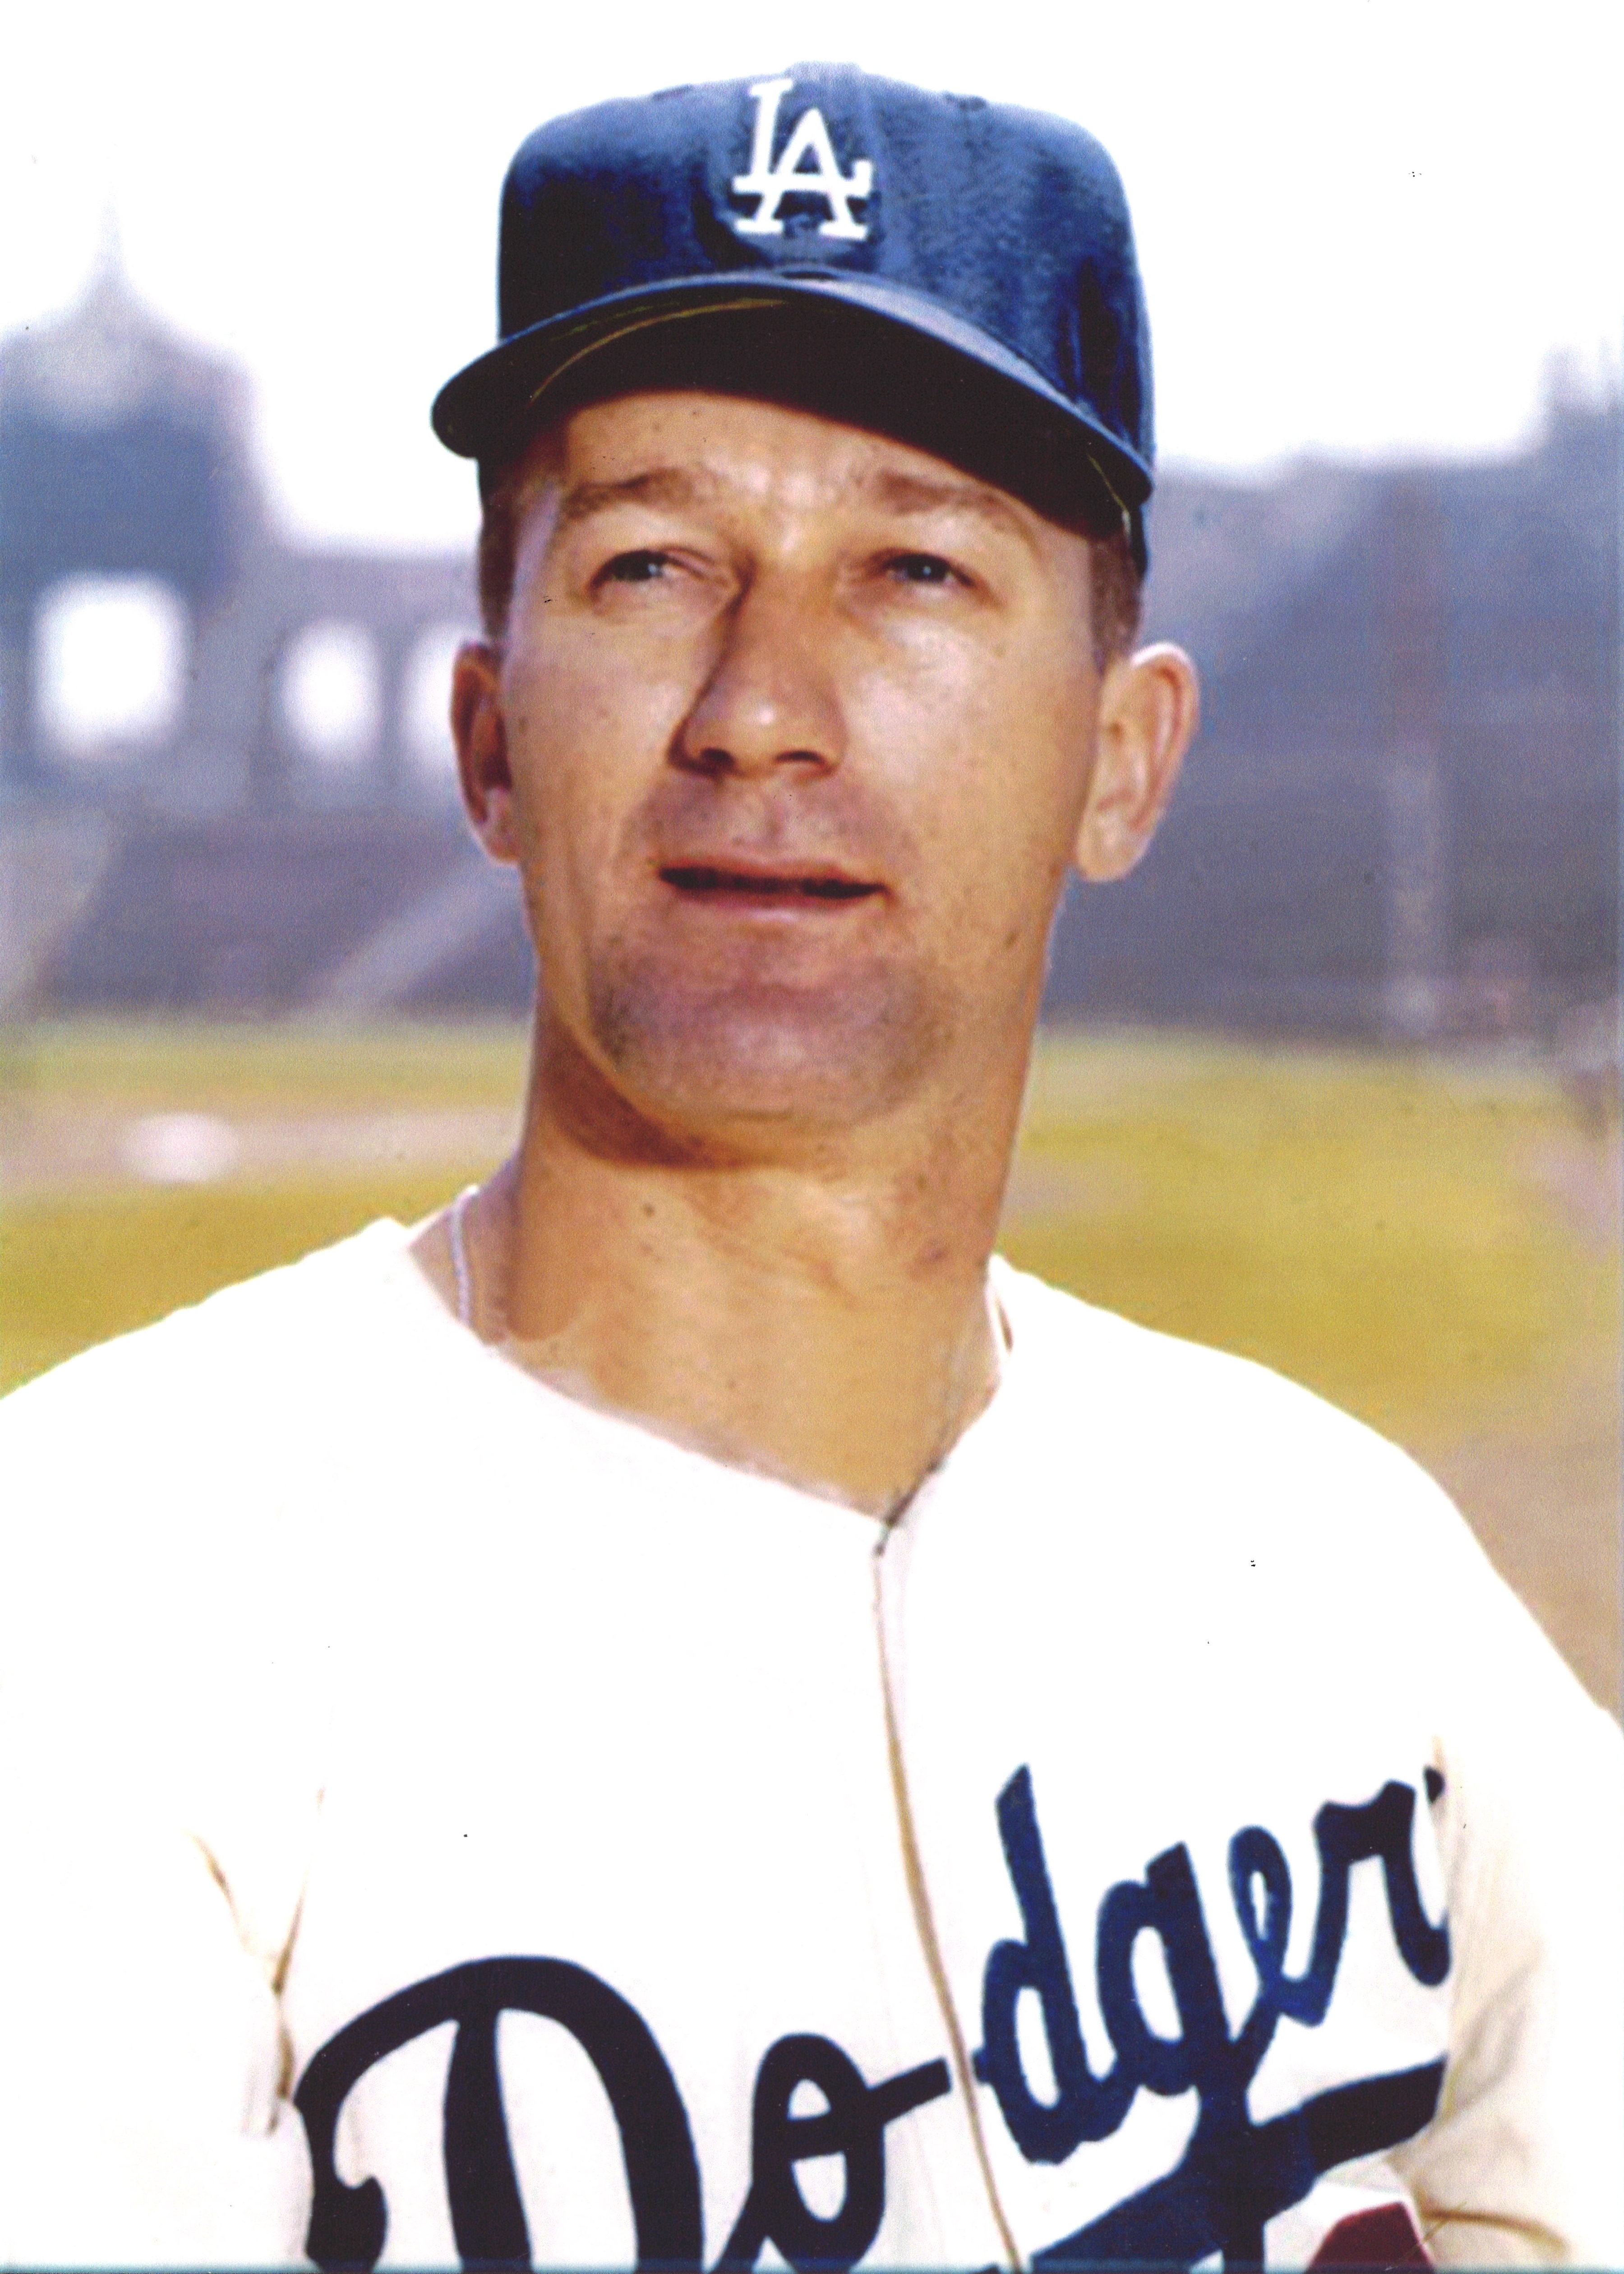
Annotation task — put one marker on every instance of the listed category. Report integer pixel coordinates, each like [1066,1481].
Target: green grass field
[1406,1234]
[1429,1240]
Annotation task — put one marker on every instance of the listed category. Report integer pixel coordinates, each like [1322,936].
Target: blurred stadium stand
[1402,815]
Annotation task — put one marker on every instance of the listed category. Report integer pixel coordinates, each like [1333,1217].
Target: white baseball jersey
[449,1823]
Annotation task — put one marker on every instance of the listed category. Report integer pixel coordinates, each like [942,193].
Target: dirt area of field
[53,1148]
[1543,1485]
[1541,1491]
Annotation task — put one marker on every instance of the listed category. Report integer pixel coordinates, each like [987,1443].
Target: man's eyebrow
[897,492]
[916,493]
[658,486]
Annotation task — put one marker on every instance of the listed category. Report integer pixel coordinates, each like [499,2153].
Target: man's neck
[824,1321]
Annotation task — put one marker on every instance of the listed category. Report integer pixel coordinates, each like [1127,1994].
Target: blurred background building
[226,785]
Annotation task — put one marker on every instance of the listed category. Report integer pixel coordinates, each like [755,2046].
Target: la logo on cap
[809,138]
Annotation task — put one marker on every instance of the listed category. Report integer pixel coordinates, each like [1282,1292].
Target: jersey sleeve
[142,2120]
[1523,2163]
[156,1819]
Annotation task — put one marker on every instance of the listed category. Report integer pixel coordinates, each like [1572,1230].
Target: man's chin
[767,1056]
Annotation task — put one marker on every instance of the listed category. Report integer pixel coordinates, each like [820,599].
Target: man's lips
[792,885]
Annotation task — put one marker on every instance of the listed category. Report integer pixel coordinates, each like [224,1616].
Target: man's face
[796,727]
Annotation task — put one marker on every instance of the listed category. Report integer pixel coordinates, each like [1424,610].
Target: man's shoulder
[198,1489]
[1072,1349]
[1215,1440]
[208,1357]
[1136,1467]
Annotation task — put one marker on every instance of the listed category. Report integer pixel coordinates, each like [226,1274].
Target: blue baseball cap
[956,273]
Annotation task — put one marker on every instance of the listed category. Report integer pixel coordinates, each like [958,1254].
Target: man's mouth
[785,888]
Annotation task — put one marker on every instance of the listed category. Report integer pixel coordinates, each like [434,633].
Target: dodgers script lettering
[1235,2175]
[348,2224]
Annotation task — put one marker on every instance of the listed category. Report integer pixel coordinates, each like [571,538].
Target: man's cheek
[613,728]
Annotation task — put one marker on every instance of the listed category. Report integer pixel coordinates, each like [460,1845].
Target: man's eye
[640,567]
[921,568]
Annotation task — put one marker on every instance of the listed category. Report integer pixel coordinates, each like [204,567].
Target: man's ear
[479,729]
[1149,707]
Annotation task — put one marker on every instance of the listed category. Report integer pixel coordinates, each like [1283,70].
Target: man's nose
[770,701]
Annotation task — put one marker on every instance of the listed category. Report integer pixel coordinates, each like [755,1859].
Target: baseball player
[679,1713]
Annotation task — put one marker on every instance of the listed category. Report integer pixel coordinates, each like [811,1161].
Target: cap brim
[891,359]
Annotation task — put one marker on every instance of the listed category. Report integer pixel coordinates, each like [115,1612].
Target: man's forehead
[665,448]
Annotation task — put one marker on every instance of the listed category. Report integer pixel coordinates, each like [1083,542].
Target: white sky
[1364,224]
